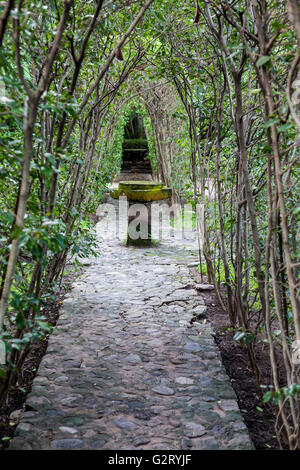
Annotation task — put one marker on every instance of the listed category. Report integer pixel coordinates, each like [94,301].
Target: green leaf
[268,396]
[250,337]
[44,326]
[20,321]
[285,127]
[8,217]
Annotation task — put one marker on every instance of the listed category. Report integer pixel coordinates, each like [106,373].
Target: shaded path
[126,369]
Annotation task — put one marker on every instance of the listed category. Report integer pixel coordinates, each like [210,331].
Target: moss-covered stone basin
[141,191]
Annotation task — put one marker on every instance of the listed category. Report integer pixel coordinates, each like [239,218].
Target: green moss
[115,193]
[137,185]
[142,242]
[147,195]
[141,191]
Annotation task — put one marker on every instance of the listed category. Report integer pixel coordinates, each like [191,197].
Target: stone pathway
[126,368]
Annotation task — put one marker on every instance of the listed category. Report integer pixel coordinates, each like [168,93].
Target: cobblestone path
[126,368]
